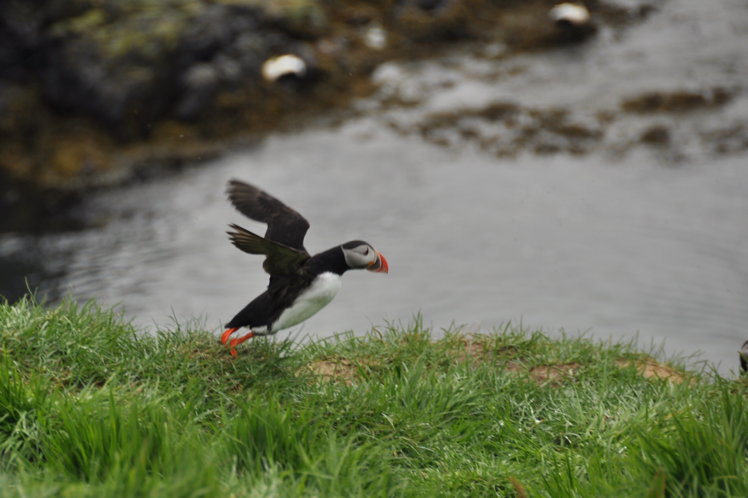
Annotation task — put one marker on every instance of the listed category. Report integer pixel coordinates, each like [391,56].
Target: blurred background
[580,167]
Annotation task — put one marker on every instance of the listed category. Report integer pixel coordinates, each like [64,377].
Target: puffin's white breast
[323,289]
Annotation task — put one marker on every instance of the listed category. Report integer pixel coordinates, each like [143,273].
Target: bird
[300,284]
[744,358]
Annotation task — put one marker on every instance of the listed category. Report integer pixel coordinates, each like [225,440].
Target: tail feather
[280,260]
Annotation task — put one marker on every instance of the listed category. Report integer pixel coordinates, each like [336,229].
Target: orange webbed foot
[227,334]
[239,340]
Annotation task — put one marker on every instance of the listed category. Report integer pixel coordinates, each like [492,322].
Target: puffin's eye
[366,252]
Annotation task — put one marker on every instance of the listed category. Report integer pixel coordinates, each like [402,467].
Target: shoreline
[99,94]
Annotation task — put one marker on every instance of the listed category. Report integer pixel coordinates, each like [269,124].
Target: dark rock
[214,29]
[23,20]
[19,110]
[126,68]
[302,19]
[80,80]
[228,69]
[656,135]
[20,25]
[679,101]
[427,5]
[360,15]
[424,20]
[569,33]
[200,84]
[730,139]
[249,50]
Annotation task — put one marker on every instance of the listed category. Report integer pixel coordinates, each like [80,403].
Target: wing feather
[280,260]
[285,226]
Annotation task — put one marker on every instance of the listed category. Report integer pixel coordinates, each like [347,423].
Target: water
[620,239]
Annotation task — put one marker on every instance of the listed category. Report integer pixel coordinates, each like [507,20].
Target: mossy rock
[148,34]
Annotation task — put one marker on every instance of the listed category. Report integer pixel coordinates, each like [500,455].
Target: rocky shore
[101,92]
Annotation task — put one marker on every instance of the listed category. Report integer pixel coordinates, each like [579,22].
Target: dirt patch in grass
[337,370]
[554,375]
[474,352]
[654,370]
[467,349]
[470,350]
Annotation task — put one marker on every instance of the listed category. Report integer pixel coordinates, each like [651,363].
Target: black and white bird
[300,284]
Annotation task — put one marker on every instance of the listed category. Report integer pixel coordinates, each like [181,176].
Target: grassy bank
[89,408]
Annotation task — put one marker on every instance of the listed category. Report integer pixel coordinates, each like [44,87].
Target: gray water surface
[622,240]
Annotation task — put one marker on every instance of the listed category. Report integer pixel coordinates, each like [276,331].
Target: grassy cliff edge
[90,407]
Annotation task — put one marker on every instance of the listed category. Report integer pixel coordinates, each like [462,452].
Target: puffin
[300,284]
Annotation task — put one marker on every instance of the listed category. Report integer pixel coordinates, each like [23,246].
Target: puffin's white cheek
[352,259]
[361,261]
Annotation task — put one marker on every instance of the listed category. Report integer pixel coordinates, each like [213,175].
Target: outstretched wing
[281,260]
[285,226]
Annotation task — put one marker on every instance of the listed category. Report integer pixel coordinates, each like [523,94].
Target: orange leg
[225,336]
[239,340]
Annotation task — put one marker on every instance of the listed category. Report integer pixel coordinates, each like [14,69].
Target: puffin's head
[361,256]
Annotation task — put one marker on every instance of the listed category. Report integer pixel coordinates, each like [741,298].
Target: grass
[90,407]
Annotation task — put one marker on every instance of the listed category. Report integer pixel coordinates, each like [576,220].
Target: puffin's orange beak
[379,265]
